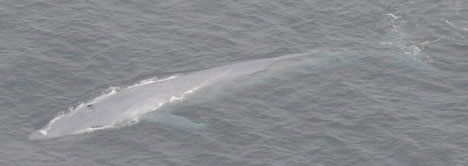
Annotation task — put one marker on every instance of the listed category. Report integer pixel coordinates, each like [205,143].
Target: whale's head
[73,122]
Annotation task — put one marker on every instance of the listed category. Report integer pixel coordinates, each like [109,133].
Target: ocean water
[398,96]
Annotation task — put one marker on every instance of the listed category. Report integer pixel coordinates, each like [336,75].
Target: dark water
[401,99]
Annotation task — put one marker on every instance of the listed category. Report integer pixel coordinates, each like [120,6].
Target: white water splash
[395,38]
[151,80]
[451,24]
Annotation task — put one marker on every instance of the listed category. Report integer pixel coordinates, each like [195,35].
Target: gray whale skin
[126,106]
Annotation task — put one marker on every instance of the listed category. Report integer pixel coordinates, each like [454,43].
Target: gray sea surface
[398,97]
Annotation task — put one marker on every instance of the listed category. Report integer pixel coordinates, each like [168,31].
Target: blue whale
[128,105]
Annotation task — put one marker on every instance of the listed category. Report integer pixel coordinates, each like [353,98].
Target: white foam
[43,132]
[392,15]
[397,39]
[185,94]
[152,80]
[454,26]
[45,129]
[91,129]
[448,22]
[117,125]
[129,122]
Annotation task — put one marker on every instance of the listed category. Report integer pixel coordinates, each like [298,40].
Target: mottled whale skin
[129,104]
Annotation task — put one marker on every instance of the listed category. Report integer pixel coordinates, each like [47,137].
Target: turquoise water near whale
[397,94]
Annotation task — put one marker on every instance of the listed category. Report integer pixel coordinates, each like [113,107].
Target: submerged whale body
[127,105]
